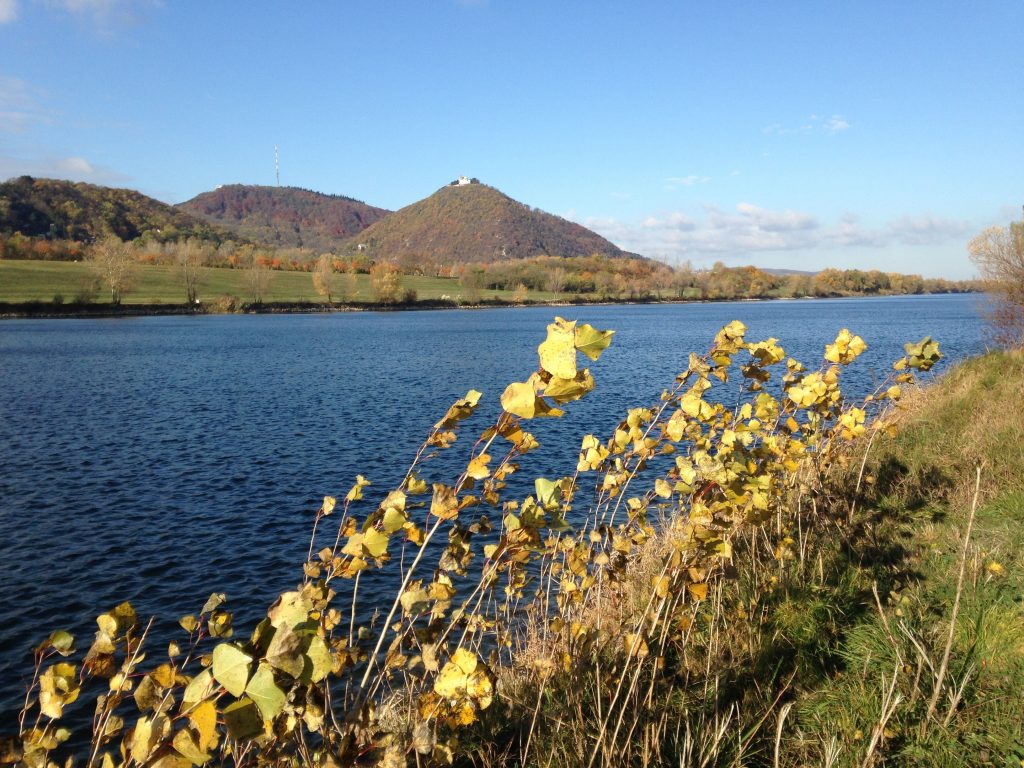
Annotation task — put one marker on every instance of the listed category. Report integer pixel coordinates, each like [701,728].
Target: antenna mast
[277,166]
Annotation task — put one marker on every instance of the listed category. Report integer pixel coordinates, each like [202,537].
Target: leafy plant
[578,633]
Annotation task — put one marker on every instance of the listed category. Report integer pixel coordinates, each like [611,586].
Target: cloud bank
[751,229]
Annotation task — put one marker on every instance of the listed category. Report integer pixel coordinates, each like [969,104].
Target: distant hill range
[472,222]
[462,222]
[284,216]
[66,210]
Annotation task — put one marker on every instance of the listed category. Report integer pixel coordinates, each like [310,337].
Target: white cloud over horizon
[72,168]
[750,231]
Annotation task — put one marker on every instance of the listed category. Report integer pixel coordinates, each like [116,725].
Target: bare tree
[999,254]
[555,282]
[189,257]
[113,261]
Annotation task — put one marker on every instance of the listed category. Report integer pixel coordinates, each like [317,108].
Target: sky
[799,135]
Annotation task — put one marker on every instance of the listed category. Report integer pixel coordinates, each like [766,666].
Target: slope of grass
[910,542]
[22,281]
[837,661]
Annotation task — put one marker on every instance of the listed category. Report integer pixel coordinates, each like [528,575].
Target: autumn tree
[386,280]
[348,286]
[999,254]
[520,294]
[113,261]
[324,277]
[471,280]
[257,277]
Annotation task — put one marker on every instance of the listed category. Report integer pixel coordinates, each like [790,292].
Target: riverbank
[51,310]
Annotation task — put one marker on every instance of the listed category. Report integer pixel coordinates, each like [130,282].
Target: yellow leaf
[477,468]
[661,585]
[204,719]
[328,505]
[356,492]
[444,504]
[416,486]
[558,351]
[592,342]
[698,591]
[520,398]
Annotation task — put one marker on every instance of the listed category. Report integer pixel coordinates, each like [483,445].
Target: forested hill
[284,216]
[66,210]
[475,223]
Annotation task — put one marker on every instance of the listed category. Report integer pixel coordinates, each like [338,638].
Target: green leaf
[200,687]
[549,492]
[62,642]
[320,660]
[231,667]
[375,543]
[592,342]
[264,691]
[242,719]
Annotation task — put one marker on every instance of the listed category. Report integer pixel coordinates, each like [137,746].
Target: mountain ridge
[284,216]
[58,209]
[473,222]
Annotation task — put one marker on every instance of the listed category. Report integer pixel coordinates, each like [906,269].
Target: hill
[284,216]
[475,223]
[66,210]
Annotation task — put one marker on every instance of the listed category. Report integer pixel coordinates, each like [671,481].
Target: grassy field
[22,281]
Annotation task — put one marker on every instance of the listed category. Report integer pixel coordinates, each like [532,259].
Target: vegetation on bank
[762,572]
[175,276]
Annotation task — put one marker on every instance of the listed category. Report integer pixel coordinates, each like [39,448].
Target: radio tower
[277,166]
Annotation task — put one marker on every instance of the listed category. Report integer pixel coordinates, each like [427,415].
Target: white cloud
[687,181]
[814,124]
[8,11]
[56,167]
[19,105]
[106,15]
[835,124]
[749,230]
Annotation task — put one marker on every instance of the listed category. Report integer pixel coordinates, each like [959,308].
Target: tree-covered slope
[66,210]
[475,223]
[284,216]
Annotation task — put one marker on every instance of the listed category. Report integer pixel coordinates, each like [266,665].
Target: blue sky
[800,135]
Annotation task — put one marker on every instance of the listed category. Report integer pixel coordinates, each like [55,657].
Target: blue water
[160,459]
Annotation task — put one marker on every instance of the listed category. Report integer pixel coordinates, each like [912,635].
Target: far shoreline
[40,310]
